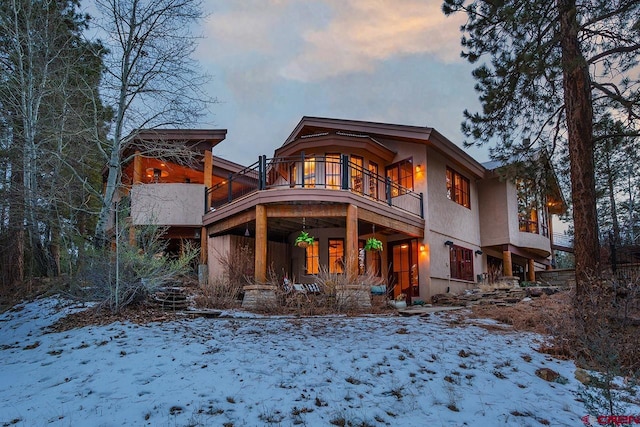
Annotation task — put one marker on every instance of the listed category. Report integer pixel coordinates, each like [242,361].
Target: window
[373,180]
[458,188]
[332,171]
[309,173]
[293,173]
[336,255]
[312,258]
[401,176]
[357,174]
[532,211]
[461,262]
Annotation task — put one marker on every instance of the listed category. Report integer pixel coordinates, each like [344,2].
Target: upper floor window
[401,174]
[332,170]
[309,172]
[461,263]
[532,211]
[458,188]
[357,183]
[373,179]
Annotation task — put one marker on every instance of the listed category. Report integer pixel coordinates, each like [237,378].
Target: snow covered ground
[254,371]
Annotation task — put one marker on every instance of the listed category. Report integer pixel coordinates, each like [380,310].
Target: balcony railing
[326,172]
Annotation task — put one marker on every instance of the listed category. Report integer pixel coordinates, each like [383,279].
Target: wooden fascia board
[231,222]
[298,211]
[277,201]
[352,143]
[370,128]
[215,136]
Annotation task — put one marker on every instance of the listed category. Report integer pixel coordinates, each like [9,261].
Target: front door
[404,268]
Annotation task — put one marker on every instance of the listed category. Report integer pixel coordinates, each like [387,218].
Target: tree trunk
[579,111]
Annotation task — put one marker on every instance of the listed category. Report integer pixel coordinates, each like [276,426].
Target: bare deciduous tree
[151,80]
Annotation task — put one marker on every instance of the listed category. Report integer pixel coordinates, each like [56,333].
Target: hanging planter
[373,244]
[304,240]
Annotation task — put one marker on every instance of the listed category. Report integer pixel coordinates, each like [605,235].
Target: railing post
[421,206]
[260,171]
[344,172]
[229,189]
[387,189]
[302,168]
[263,164]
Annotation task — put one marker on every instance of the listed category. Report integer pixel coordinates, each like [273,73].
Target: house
[164,178]
[444,219]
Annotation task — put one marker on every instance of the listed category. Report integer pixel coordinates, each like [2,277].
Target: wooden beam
[351,243]
[208,168]
[531,272]
[507,269]
[137,168]
[394,224]
[204,246]
[298,211]
[261,244]
[208,174]
[232,222]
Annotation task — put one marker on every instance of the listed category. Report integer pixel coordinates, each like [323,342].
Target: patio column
[531,273]
[208,183]
[507,269]
[351,243]
[137,168]
[261,244]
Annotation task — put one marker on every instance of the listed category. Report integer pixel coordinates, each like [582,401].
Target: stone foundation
[356,296]
[259,297]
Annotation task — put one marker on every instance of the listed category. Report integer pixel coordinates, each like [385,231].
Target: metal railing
[562,240]
[326,172]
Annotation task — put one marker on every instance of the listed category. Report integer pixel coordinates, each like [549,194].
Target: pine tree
[550,64]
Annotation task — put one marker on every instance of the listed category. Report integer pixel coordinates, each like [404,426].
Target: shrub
[128,274]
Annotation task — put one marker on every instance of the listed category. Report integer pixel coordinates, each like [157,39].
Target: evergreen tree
[550,64]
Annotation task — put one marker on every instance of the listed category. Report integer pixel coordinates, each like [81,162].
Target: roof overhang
[380,131]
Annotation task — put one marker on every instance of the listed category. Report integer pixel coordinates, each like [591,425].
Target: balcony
[335,173]
[167,204]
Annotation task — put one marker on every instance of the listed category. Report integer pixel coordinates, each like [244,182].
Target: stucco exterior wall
[220,247]
[495,212]
[167,204]
[499,217]
[449,220]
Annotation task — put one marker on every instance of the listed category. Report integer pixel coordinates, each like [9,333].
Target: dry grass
[603,329]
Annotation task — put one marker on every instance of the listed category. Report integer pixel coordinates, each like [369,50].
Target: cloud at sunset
[362,33]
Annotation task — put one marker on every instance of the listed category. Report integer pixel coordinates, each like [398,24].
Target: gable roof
[415,134]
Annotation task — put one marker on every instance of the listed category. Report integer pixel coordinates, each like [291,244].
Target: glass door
[404,268]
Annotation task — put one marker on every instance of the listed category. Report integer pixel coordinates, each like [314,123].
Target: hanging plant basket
[373,244]
[304,240]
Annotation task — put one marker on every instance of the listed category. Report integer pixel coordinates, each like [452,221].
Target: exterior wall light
[478,252]
[448,243]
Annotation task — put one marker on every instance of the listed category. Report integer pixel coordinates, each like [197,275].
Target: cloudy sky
[274,61]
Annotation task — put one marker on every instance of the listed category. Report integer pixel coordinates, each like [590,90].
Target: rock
[582,376]
[547,374]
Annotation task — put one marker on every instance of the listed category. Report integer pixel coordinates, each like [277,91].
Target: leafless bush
[226,290]
[607,340]
[128,274]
